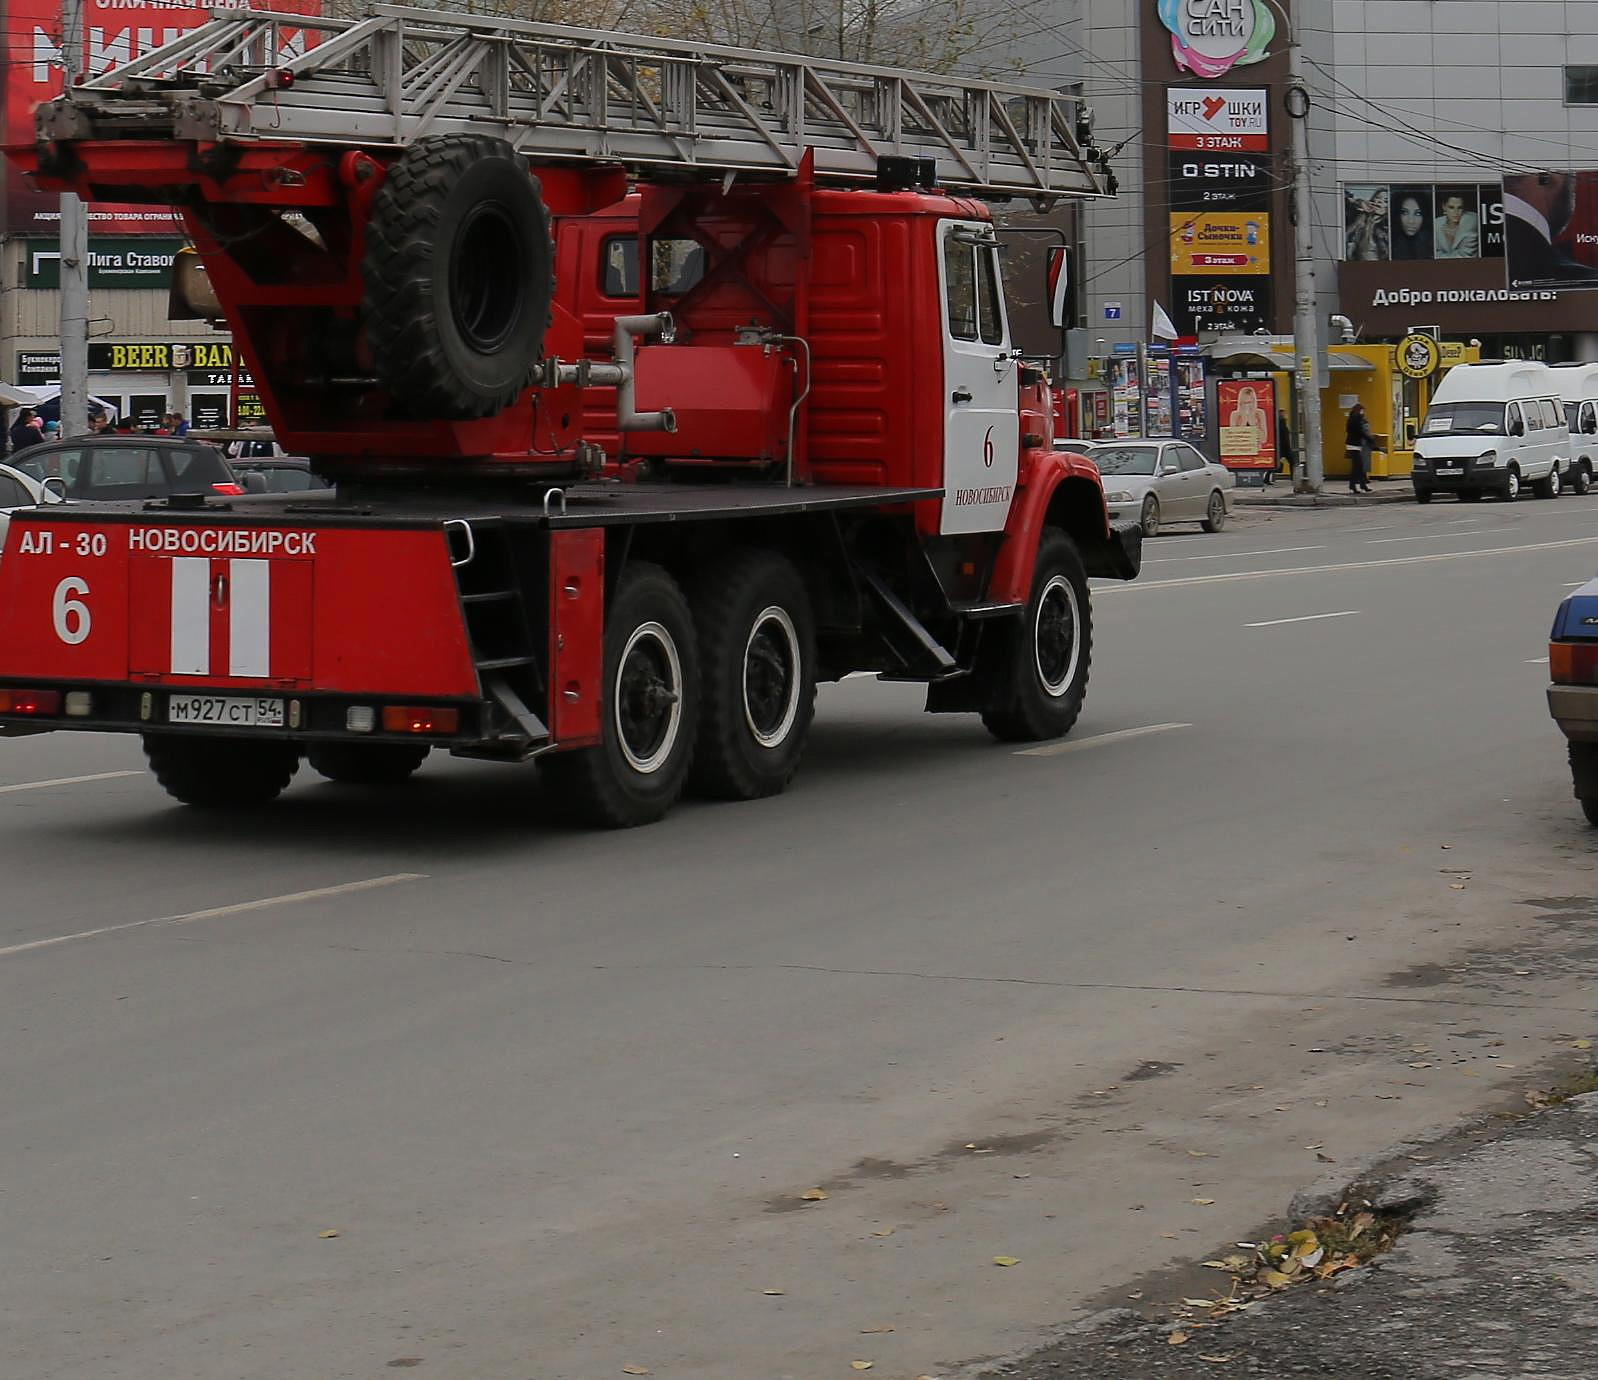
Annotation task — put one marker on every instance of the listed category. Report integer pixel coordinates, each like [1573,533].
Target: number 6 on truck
[71,614]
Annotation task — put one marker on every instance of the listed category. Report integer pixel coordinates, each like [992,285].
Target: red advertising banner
[31,71]
[1247,410]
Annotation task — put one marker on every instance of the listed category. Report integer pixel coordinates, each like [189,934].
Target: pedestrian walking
[1284,446]
[1359,442]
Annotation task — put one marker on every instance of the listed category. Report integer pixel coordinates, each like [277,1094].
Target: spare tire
[459,273]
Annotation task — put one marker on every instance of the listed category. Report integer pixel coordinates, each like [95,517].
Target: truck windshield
[1125,459]
[1486,419]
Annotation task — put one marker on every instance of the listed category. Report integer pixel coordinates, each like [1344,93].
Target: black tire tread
[1008,715]
[398,304]
[366,764]
[220,773]
[719,770]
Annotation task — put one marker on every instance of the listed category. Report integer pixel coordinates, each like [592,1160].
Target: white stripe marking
[1437,536]
[1133,586]
[1307,618]
[191,616]
[66,781]
[1119,736]
[250,620]
[1229,555]
[215,912]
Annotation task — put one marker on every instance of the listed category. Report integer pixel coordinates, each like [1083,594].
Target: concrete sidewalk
[1334,494]
[1494,1274]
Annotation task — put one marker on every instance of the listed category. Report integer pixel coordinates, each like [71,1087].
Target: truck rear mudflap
[226,623]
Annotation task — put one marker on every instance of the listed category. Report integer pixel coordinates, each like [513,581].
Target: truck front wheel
[651,710]
[757,660]
[1037,670]
[366,764]
[221,773]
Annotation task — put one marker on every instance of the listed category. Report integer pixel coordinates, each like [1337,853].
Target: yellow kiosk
[1395,384]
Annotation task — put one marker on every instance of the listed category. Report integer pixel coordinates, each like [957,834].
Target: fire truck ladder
[653,105]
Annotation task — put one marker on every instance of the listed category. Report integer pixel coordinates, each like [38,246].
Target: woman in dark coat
[1358,444]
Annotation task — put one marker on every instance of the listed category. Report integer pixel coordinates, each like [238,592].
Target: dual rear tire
[712,689]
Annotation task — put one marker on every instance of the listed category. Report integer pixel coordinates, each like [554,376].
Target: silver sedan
[19,490]
[1159,481]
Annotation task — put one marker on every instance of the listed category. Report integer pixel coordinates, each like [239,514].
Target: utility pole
[1306,325]
[74,259]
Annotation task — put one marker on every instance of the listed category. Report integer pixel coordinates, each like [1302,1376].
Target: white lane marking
[1577,584]
[1119,736]
[1437,536]
[66,781]
[1229,555]
[1133,586]
[1307,618]
[1537,661]
[215,912]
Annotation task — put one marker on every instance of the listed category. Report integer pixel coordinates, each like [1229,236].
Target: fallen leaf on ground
[1422,1065]
[1215,1360]
[884,1231]
[327,1235]
[635,1370]
[814,1195]
[773,1293]
[1177,1338]
[1324,1159]
[1276,1279]
[872,1331]
[1199,1154]
[861,1365]
[1582,1044]
[1388,1097]
[1320,1101]
[1202,1202]
[1006,1260]
[1199,1303]
[1456,886]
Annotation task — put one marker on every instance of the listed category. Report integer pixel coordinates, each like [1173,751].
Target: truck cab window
[990,303]
[619,258]
[960,287]
[676,266]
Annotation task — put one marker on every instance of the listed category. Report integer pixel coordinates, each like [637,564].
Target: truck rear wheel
[366,764]
[757,663]
[651,709]
[459,273]
[221,773]
[1037,670]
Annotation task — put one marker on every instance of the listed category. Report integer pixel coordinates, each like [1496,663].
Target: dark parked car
[124,466]
[281,474]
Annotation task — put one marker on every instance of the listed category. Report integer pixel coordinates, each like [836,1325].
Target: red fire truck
[658,382]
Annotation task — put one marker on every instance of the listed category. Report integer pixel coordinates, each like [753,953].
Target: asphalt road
[1290,892]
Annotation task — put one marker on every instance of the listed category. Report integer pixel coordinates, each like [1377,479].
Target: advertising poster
[1551,229]
[1157,397]
[1126,395]
[1190,399]
[1441,220]
[116,32]
[1247,411]
[1220,182]
[1221,242]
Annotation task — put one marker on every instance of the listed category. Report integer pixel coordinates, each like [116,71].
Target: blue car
[1573,696]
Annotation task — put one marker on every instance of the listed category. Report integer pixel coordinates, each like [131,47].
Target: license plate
[226,711]
[1450,469]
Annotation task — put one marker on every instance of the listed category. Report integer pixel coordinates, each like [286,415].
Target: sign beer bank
[1210,37]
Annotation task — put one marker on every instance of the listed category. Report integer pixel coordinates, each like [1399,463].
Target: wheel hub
[648,698]
[1057,636]
[771,677]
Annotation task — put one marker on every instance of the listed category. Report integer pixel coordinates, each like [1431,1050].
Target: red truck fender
[1061,489]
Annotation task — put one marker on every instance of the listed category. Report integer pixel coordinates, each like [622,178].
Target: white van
[1493,428]
[1578,385]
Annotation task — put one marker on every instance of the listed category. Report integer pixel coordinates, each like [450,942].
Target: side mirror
[55,489]
[254,482]
[1171,468]
[1058,286]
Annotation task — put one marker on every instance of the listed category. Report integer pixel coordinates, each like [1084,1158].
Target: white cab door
[982,426]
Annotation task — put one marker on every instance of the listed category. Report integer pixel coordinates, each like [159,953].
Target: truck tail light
[1573,663]
[420,718]
[40,702]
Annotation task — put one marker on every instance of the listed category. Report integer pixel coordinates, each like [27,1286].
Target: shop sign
[1247,410]
[1220,182]
[1419,356]
[1221,242]
[1210,37]
[126,262]
[1220,304]
[154,357]
[1233,120]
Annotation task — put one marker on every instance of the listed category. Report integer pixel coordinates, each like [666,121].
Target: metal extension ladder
[558,93]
